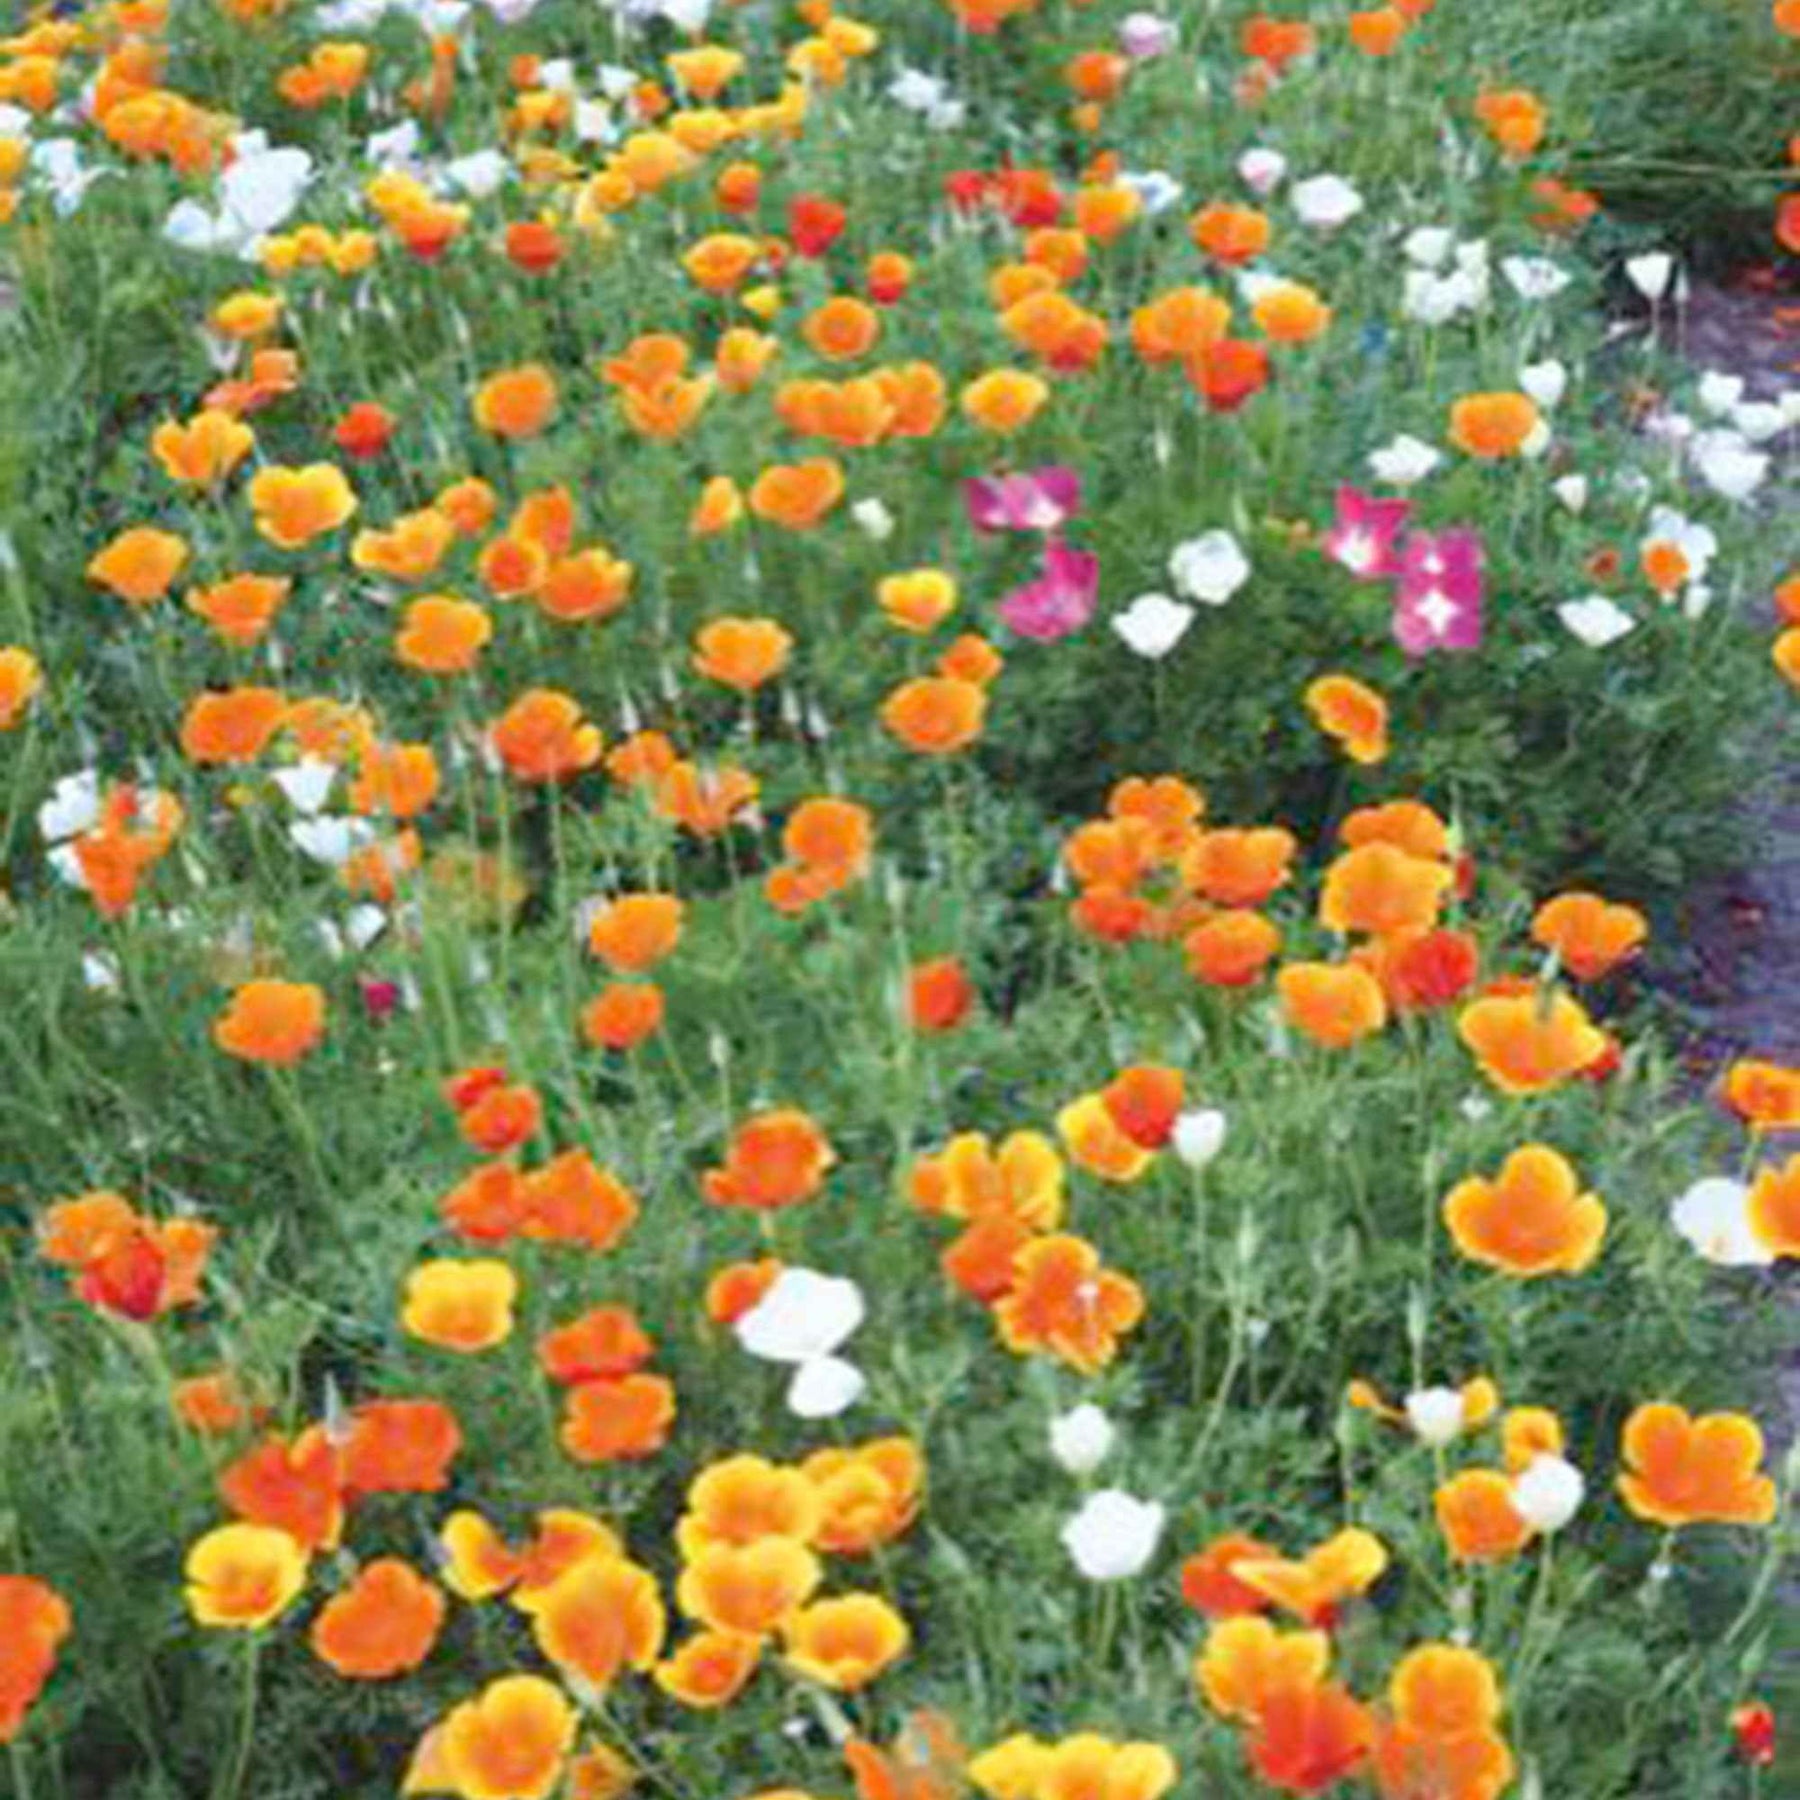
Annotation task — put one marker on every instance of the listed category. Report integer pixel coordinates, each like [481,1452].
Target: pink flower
[1032,500]
[1062,598]
[1437,604]
[1364,535]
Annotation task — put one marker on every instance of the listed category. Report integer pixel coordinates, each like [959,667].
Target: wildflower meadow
[834,843]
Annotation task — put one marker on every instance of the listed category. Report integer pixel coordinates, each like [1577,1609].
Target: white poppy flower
[1114,1535]
[1571,491]
[1546,382]
[1760,420]
[1156,189]
[1405,461]
[1548,1493]
[1536,441]
[1325,201]
[1650,273]
[1080,1439]
[57,163]
[1428,298]
[331,839]
[1428,245]
[1719,393]
[1262,169]
[873,519]
[1728,463]
[100,973]
[73,807]
[1153,624]
[1535,277]
[1714,1216]
[1596,620]
[824,1387]
[1435,1415]
[917,91]
[479,174]
[395,148]
[1199,1136]
[804,1315]
[306,784]
[1209,568]
[364,924]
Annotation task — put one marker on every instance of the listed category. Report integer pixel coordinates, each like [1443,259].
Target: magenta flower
[1032,500]
[1062,598]
[1365,534]
[1437,603]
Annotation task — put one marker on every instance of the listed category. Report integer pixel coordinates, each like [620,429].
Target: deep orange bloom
[296,1487]
[1334,1004]
[542,736]
[623,1015]
[935,715]
[1143,1101]
[737,1287]
[400,1447]
[516,403]
[709,1669]
[233,725]
[34,1621]
[204,450]
[1514,118]
[1532,1219]
[623,1420]
[1775,1207]
[1378,31]
[742,653]
[242,608]
[634,932]
[1765,1095]
[139,564]
[267,1021]
[508,1743]
[797,495]
[868,1494]
[775,1159]
[939,994]
[1210,1588]
[383,1624]
[1063,1303]
[1378,889]
[1493,425]
[21,677]
[1005,400]
[1229,233]
[1476,1514]
[598,1618]
[1239,866]
[442,635]
[1309,1736]
[1681,1470]
[601,1345]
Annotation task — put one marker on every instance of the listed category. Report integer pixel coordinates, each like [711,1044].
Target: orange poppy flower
[634,932]
[845,1642]
[1289,312]
[139,565]
[598,1618]
[1004,400]
[268,1021]
[1179,324]
[1415,1765]
[1246,1659]
[709,1669]
[382,1625]
[747,1588]
[842,328]
[1309,1736]
[623,1015]
[1530,1043]
[204,450]
[1681,1470]
[742,654]
[1355,715]
[213,1404]
[1476,1514]
[719,507]
[1315,1586]
[516,403]
[623,1420]
[243,1577]
[508,1743]
[939,994]
[775,1159]
[1229,234]
[241,609]
[292,506]
[542,736]
[409,550]
[232,726]
[1514,118]
[1531,1220]
[296,1486]
[722,261]
[744,1499]
[918,600]
[1408,825]
[935,715]
[400,1447]
[1765,1095]
[1095,1140]
[970,1179]
[1239,866]
[868,1494]
[460,1305]
[20,679]
[1381,890]
[601,1345]
[970,658]
[1444,1691]
[797,495]
[1422,969]
[1334,1004]
[34,1621]
[738,1287]
[1493,425]
[441,635]
[1211,1589]
[1063,1303]
[1774,1207]
[1378,31]
[705,801]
